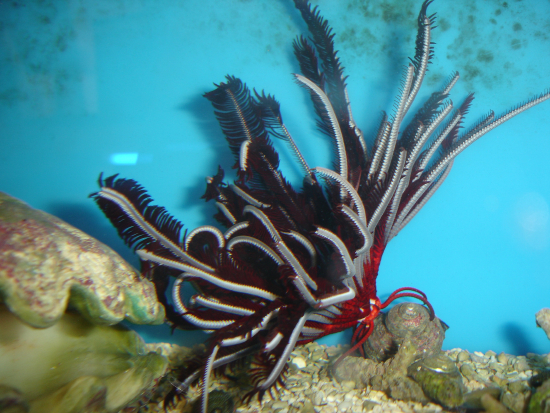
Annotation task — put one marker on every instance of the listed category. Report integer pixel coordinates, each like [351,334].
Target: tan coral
[543,320]
[47,265]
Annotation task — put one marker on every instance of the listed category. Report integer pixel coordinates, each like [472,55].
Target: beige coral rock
[543,320]
[47,265]
[74,366]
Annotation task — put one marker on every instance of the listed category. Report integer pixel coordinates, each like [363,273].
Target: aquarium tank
[128,87]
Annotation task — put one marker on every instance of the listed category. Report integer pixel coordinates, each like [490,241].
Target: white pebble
[299,362]
[348,385]
[349,396]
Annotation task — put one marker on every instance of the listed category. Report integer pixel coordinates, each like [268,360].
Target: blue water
[115,86]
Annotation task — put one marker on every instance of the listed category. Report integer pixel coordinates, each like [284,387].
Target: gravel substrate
[310,388]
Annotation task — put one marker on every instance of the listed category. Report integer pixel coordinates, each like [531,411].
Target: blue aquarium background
[111,86]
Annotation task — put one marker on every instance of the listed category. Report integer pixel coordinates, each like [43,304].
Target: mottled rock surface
[540,401]
[543,320]
[406,319]
[440,379]
[47,265]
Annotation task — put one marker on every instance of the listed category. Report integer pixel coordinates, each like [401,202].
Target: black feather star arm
[327,87]
[323,39]
[292,266]
[140,224]
[237,114]
[307,59]
[271,114]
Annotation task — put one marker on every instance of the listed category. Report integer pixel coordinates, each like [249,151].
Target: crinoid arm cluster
[291,266]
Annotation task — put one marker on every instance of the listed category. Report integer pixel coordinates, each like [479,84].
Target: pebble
[299,362]
[370,405]
[348,385]
[518,387]
[349,396]
[279,405]
[490,354]
[524,376]
[512,374]
[500,381]
[463,356]
[318,399]
[317,356]
[478,357]
[494,365]
[308,407]
[503,358]
[485,373]
[300,388]
[521,364]
[468,371]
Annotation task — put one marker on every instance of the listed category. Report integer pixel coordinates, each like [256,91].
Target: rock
[299,362]
[404,388]
[503,358]
[362,370]
[516,402]
[521,364]
[479,358]
[540,400]
[389,377]
[359,370]
[469,372]
[345,406]
[369,405]
[472,400]
[75,366]
[518,387]
[463,356]
[440,379]
[543,320]
[308,407]
[491,405]
[406,319]
[47,265]
[347,385]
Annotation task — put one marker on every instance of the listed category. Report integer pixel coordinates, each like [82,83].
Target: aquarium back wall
[116,87]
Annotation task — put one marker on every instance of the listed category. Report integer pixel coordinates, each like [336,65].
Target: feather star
[293,266]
